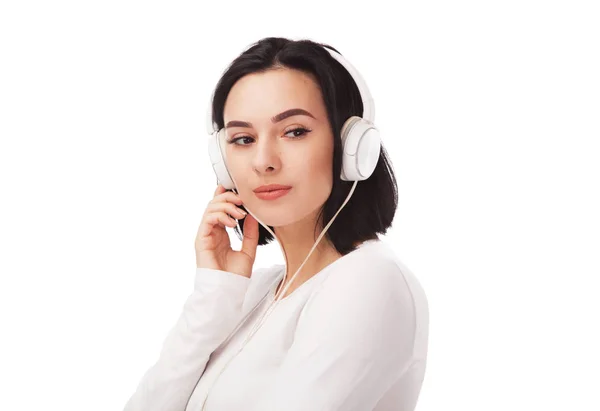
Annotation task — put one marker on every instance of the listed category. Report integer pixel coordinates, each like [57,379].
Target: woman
[345,328]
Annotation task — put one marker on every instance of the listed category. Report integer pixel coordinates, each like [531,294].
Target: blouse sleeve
[353,340]
[209,314]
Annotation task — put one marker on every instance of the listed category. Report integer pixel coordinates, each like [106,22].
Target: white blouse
[353,337]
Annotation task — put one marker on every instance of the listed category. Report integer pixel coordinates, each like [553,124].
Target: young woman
[343,325]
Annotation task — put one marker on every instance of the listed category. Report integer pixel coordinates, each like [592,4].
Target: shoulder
[365,301]
[372,282]
[373,267]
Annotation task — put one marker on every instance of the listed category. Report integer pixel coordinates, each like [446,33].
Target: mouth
[273,194]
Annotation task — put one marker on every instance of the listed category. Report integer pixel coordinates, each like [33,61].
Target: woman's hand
[213,247]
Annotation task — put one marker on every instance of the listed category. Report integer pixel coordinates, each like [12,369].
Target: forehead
[262,95]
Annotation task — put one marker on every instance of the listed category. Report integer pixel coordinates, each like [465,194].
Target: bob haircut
[373,204]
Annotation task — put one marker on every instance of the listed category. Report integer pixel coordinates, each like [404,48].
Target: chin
[277,218]
[283,211]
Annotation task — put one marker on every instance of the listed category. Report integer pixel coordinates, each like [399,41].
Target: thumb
[250,240]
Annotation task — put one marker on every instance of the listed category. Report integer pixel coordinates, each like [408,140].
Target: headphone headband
[368,104]
[365,95]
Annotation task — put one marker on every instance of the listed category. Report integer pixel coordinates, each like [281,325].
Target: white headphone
[361,147]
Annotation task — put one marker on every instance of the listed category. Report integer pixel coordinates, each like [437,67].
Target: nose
[266,157]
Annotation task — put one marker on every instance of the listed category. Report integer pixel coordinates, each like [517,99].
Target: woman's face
[267,150]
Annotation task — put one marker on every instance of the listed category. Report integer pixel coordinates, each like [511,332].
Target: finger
[215,219]
[220,189]
[250,240]
[204,230]
[228,208]
[227,196]
[231,197]
[226,220]
[207,225]
[235,211]
[221,218]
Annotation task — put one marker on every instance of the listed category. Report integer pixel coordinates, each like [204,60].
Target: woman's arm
[354,339]
[209,314]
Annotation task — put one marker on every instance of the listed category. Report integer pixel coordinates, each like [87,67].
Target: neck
[297,240]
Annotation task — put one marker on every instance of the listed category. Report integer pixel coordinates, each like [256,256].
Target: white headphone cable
[280,297]
[277,298]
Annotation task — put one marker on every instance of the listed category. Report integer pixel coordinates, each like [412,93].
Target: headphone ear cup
[361,147]
[217,159]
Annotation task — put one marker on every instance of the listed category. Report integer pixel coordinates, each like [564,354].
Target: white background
[489,111]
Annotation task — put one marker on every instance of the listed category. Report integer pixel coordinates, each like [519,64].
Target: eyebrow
[275,119]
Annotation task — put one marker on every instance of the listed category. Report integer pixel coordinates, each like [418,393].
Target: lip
[272,195]
[271,187]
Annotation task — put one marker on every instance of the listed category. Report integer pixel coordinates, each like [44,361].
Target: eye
[301,130]
[234,140]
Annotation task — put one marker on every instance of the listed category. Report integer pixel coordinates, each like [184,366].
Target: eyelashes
[303,131]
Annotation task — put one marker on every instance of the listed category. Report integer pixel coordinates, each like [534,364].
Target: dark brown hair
[371,209]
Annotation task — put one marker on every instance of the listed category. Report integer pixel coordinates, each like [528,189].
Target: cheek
[238,167]
[318,168]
